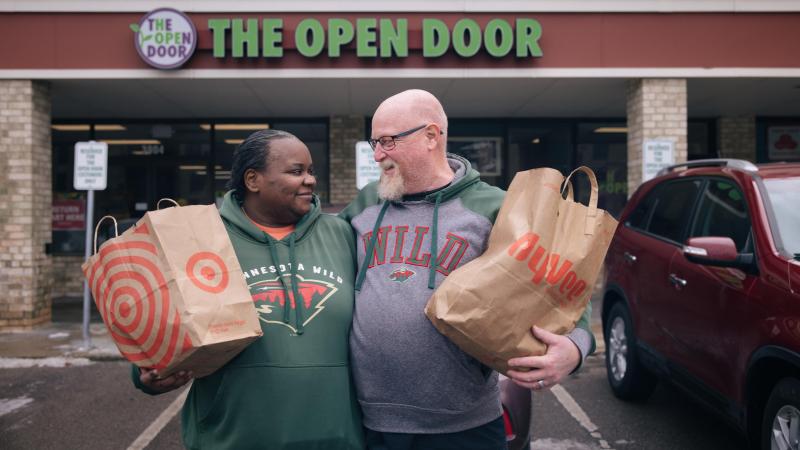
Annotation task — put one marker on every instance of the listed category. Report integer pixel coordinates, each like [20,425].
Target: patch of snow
[59,335]
[57,361]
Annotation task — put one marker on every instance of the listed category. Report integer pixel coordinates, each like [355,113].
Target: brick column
[656,110]
[344,132]
[25,204]
[737,137]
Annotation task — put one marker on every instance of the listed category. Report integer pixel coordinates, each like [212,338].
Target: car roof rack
[740,164]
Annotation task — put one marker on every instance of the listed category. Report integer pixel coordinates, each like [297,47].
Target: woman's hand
[149,378]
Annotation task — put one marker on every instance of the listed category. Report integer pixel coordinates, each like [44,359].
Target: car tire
[781,425]
[629,380]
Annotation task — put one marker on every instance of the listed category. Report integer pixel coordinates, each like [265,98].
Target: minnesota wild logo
[401,275]
[270,299]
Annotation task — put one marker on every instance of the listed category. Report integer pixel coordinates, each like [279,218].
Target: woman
[291,388]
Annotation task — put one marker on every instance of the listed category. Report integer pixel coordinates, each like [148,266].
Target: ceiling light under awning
[236,126]
[611,130]
[131,141]
[87,127]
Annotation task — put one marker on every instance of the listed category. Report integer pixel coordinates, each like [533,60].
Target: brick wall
[344,132]
[25,203]
[67,276]
[656,109]
[737,137]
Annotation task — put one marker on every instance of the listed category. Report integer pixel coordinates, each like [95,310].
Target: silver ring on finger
[541,384]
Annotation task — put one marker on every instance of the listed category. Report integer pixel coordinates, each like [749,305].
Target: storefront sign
[165,38]
[656,155]
[375,38]
[367,170]
[783,143]
[91,166]
[69,215]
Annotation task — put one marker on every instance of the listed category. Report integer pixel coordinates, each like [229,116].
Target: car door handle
[677,282]
[630,258]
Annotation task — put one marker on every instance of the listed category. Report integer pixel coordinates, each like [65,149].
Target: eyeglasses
[388,142]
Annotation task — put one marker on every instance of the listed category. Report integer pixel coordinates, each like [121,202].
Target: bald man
[427,215]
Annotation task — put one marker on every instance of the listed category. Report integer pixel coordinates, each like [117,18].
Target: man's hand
[149,378]
[548,370]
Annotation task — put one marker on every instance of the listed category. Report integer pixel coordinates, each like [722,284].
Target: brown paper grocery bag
[171,292]
[544,255]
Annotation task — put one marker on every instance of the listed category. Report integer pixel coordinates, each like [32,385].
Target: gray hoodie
[409,378]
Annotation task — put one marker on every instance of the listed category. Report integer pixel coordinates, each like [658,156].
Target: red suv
[703,290]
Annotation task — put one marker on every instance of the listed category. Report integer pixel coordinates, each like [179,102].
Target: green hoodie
[290,389]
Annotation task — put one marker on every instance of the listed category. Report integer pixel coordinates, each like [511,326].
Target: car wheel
[629,380]
[781,426]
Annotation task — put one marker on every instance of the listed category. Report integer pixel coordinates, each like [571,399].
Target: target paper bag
[544,255]
[171,292]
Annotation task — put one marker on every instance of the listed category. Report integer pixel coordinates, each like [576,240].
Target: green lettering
[365,40]
[529,31]
[340,32]
[494,48]
[314,47]
[435,38]
[218,28]
[241,37]
[272,38]
[177,37]
[160,25]
[464,46]
[394,39]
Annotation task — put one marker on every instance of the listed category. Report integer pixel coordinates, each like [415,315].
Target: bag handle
[97,228]
[591,215]
[568,188]
[174,203]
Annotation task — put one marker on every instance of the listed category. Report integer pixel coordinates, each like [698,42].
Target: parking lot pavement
[92,405]
[668,420]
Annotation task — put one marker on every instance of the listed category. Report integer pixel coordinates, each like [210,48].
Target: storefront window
[539,143]
[603,146]
[69,205]
[150,161]
[189,162]
[700,139]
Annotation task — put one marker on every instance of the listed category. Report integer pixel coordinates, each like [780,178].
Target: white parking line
[575,410]
[161,421]
[9,405]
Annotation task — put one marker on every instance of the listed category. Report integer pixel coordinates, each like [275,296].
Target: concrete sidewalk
[63,337]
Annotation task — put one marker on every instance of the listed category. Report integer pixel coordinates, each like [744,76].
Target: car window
[672,207]
[784,196]
[722,212]
[641,213]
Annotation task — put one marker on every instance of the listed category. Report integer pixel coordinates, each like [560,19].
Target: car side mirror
[717,251]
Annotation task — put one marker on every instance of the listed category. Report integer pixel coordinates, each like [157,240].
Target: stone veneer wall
[737,137]
[344,131]
[25,204]
[656,109]
[67,276]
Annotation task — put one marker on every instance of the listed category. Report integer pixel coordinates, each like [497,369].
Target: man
[427,215]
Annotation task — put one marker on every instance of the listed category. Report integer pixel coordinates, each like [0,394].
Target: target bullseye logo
[133,297]
[208,272]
